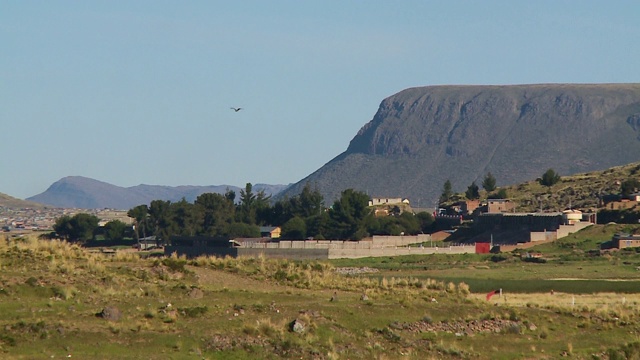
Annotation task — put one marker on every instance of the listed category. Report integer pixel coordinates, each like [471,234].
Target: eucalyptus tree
[140,214]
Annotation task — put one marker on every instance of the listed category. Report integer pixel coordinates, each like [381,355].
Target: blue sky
[139,92]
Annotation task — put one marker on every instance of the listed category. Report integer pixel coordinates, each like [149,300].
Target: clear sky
[139,92]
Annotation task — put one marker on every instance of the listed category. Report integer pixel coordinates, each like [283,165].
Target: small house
[272,232]
[500,205]
[621,241]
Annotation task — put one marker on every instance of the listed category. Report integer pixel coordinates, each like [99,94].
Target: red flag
[489,295]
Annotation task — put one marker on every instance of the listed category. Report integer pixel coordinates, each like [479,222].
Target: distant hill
[13,203]
[85,193]
[420,137]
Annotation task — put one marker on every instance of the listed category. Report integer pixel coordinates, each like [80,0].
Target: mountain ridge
[86,193]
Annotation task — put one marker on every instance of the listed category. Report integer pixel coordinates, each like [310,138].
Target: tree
[317,225]
[500,194]
[159,212]
[550,178]
[62,226]
[311,202]
[238,229]
[409,223]
[140,214]
[247,212]
[78,228]
[629,186]
[261,207]
[186,218]
[217,211]
[84,226]
[447,192]
[295,228]
[426,221]
[252,204]
[115,230]
[348,214]
[489,182]
[230,195]
[473,192]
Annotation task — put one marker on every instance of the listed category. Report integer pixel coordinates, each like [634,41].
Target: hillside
[13,203]
[85,193]
[62,301]
[580,191]
[420,137]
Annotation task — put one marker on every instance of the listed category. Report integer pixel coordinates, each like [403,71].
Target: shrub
[175,263]
[193,311]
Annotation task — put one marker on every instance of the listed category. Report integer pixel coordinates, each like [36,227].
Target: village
[497,227]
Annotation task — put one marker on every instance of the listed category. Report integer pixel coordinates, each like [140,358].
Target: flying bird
[236,109]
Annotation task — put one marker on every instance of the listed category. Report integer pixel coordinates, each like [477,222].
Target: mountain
[420,137]
[85,193]
[7,201]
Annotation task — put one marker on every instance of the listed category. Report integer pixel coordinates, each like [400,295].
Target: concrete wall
[537,236]
[195,251]
[292,254]
[565,230]
[326,249]
[376,252]
[376,242]
[388,241]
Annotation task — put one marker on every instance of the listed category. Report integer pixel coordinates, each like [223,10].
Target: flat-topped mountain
[85,193]
[420,137]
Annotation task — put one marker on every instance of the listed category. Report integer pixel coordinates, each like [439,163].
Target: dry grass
[244,308]
[564,300]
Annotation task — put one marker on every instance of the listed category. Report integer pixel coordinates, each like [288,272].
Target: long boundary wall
[372,247]
[327,249]
[361,253]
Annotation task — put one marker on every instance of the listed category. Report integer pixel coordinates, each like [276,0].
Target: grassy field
[58,300]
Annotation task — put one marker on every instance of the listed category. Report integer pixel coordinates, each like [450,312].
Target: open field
[58,300]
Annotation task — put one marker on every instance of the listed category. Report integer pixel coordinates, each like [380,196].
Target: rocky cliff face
[420,137]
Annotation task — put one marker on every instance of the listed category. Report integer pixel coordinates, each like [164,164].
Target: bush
[193,311]
[175,264]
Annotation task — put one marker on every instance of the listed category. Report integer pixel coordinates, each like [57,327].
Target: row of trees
[473,190]
[83,227]
[549,178]
[299,217]
[211,214]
